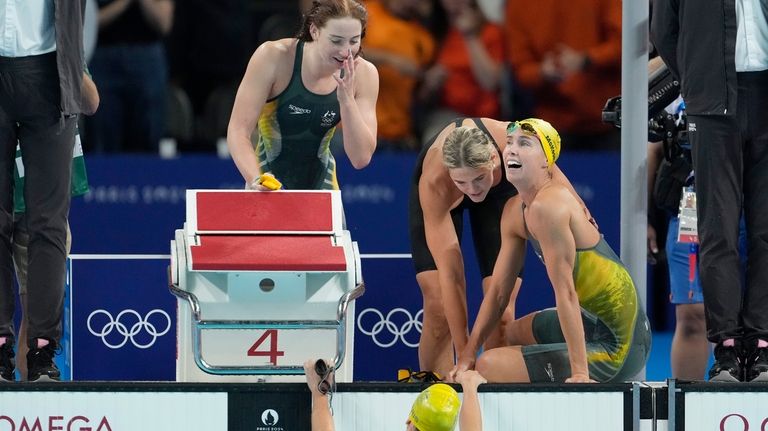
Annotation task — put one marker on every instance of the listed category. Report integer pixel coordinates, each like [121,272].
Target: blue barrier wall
[136,203]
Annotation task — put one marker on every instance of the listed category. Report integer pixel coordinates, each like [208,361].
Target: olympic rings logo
[129,324]
[394,328]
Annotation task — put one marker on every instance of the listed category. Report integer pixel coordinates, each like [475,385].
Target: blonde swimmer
[459,171]
[597,330]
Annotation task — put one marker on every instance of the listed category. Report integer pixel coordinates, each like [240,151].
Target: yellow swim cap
[548,136]
[436,408]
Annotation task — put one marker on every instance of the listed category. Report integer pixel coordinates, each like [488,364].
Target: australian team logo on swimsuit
[328,118]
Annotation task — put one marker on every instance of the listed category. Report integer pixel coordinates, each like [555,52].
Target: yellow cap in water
[436,408]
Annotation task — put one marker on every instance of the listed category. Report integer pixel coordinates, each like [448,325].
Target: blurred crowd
[169,77]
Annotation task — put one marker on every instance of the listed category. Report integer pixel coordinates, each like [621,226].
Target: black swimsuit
[484,217]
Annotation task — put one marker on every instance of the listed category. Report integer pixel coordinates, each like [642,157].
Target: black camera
[671,129]
[663,89]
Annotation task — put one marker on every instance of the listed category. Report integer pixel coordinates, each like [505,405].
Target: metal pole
[634,142]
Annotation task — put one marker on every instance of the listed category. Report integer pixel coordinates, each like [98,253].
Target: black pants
[30,113]
[730,157]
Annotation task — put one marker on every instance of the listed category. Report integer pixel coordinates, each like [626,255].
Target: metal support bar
[671,398]
[198,325]
[635,406]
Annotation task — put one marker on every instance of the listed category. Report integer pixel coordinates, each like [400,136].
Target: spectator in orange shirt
[464,82]
[401,49]
[569,58]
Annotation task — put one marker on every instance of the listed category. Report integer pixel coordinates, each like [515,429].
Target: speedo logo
[295,110]
[550,372]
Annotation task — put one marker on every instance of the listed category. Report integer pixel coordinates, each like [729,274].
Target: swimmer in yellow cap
[458,172]
[597,330]
[436,408]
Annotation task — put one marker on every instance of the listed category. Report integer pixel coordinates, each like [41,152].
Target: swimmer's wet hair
[323,10]
[467,147]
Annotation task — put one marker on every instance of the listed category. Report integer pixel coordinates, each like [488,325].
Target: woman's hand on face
[345,79]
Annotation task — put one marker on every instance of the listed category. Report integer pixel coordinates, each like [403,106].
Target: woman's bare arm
[549,222]
[358,91]
[249,101]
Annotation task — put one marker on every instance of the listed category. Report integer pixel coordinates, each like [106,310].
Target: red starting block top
[247,211]
[267,253]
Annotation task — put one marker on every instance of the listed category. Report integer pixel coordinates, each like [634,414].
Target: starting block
[264,281]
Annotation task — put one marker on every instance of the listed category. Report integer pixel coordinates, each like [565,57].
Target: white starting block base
[261,291]
[231,348]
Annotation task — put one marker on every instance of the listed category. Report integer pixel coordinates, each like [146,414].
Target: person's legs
[22,349]
[752,94]
[520,331]
[47,140]
[7,159]
[435,345]
[755,312]
[47,160]
[542,357]
[21,264]
[690,348]
[20,261]
[718,161]
[539,338]
[509,364]
[504,364]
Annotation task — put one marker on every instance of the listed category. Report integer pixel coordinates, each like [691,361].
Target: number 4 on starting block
[272,351]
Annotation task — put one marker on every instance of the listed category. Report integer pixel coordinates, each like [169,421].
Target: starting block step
[267,253]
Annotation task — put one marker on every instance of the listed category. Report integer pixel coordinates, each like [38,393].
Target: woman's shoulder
[278,49]
[553,199]
[433,167]
[495,125]
[556,191]
[434,174]
[498,130]
[366,67]
[437,193]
